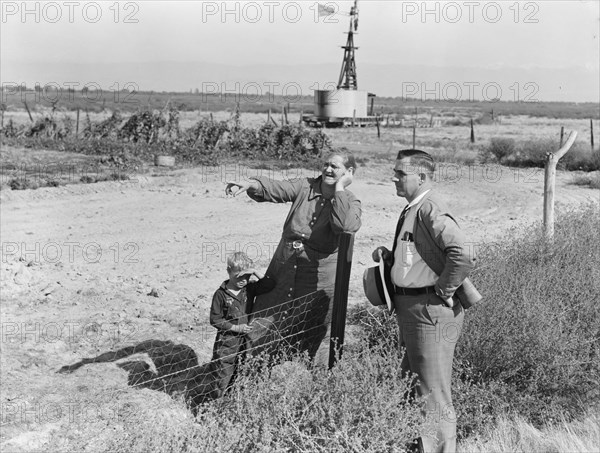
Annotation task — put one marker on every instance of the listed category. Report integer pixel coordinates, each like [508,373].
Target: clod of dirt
[22,275]
[50,288]
[154,293]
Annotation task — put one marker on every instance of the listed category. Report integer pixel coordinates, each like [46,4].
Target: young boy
[231,304]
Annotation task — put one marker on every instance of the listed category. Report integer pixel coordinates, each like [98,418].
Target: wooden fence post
[340,297]
[28,112]
[562,135]
[549,180]
[472,132]
[414,135]
[77,124]
[377,124]
[592,133]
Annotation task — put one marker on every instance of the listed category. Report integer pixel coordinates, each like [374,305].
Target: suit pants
[429,330]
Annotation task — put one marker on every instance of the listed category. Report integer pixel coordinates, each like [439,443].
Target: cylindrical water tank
[340,103]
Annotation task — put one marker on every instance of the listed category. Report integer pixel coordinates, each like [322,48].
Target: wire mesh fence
[297,326]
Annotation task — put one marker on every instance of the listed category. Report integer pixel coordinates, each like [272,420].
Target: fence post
[340,297]
[592,133]
[472,132]
[414,135]
[549,180]
[562,135]
[28,112]
[77,124]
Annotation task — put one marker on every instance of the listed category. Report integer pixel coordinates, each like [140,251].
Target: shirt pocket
[409,251]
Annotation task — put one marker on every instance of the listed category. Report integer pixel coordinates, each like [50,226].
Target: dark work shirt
[313,219]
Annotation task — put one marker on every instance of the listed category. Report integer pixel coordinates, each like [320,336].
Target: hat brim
[377,285]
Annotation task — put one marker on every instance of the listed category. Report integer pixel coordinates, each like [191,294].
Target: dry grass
[515,435]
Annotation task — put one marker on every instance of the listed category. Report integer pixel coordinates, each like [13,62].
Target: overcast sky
[503,35]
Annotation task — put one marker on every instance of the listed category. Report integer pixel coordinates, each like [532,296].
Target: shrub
[592,181]
[500,148]
[532,153]
[580,157]
[361,406]
[532,346]
[538,330]
[22,183]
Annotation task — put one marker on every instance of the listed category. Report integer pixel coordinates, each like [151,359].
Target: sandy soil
[79,262]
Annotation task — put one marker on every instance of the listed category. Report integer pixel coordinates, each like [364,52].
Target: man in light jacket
[430,262]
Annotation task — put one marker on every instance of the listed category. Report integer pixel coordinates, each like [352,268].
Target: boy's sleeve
[217,312]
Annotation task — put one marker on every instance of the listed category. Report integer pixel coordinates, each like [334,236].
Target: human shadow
[170,368]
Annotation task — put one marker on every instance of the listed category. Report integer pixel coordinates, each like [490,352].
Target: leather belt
[414,291]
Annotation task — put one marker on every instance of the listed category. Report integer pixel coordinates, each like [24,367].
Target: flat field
[80,261]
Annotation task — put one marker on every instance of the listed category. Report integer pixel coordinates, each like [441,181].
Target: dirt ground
[79,263]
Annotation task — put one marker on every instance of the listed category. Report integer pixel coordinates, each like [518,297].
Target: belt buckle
[298,246]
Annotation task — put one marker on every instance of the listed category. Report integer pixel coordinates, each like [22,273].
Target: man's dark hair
[420,159]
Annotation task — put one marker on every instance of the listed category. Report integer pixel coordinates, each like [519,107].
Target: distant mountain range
[576,84]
